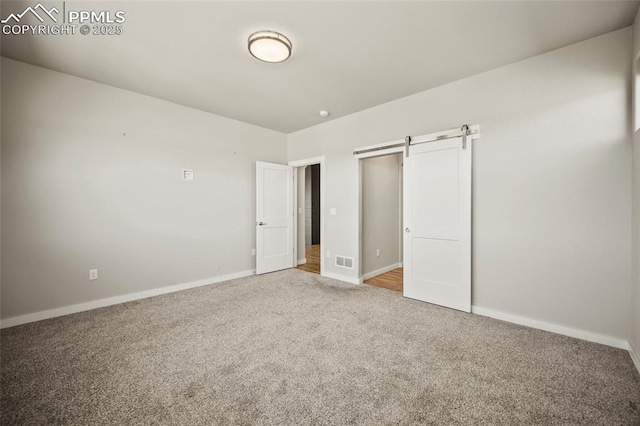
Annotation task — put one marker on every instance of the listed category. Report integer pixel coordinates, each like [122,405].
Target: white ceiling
[347,56]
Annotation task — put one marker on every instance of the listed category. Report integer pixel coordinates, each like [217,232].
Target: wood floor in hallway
[391,280]
[312,254]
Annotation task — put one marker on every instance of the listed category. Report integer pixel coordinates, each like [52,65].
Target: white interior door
[274,217]
[437,221]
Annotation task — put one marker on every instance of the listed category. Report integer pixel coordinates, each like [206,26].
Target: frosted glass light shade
[269,46]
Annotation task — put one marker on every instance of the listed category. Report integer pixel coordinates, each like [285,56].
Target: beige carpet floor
[294,348]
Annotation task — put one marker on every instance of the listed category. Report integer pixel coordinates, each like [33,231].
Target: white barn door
[437,221]
[274,217]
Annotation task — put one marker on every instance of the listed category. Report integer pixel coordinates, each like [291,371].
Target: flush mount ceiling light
[269,46]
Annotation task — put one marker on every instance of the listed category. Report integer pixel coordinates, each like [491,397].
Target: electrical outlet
[328,254]
[253,252]
[93,274]
[377,252]
[299,210]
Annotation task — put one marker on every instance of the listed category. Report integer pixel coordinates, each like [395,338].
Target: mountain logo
[34,11]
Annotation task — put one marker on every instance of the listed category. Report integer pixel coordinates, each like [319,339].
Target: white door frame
[302,163]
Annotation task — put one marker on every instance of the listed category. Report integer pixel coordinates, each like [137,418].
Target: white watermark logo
[34,11]
[84,22]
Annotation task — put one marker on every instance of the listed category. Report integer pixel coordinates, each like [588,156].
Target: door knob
[261,223]
[407,230]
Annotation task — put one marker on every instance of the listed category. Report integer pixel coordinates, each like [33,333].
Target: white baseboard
[635,355]
[554,328]
[344,278]
[381,271]
[72,309]
[302,261]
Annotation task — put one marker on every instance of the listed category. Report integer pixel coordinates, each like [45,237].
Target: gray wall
[380,212]
[635,337]
[551,180]
[91,178]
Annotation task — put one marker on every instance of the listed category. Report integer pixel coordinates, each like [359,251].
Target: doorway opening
[381,221]
[308,210]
